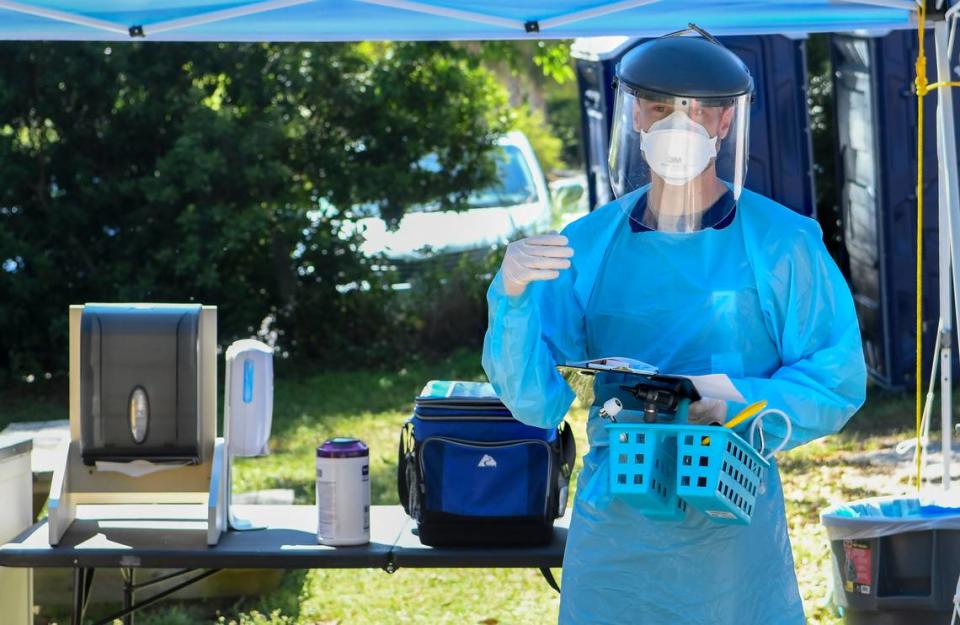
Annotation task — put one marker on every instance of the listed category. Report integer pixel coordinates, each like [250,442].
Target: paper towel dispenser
[140,383]
[143,412]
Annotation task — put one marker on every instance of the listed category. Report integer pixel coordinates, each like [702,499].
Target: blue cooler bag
[471,474]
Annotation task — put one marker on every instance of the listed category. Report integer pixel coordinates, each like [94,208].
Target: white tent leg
[63,16]
[950,205]
[946,329]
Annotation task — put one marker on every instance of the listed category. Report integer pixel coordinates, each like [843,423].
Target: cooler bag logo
[487,461]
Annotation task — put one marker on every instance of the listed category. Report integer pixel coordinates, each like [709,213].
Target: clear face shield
[686,157]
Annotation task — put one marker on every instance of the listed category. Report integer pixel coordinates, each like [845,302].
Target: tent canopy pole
[63,16]
[219,16]
[950,208]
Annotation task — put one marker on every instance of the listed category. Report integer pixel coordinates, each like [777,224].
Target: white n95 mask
[677,148]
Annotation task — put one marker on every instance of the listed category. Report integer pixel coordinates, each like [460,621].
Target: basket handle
[756,426]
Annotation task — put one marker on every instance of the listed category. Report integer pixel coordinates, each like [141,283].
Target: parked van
[518,202]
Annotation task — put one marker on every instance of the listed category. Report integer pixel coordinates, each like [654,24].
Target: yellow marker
[750,411]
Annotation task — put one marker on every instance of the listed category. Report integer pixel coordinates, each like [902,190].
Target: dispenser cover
[140,383]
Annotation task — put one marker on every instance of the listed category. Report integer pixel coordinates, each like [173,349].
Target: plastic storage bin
[643,468]
[895,560]
[663,468]
[719,473]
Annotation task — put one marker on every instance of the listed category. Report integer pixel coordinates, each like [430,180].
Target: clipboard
[581,375]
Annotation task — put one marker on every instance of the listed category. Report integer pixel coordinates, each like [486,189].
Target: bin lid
[885,516]
[343,447]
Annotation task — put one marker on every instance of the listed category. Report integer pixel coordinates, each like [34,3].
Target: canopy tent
[351,20]
[356,20]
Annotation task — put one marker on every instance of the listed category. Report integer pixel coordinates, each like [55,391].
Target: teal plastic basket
[643,469]
[660,469]
[719,473]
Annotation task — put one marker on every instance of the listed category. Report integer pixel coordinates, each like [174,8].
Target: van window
[514,182]
[514,185]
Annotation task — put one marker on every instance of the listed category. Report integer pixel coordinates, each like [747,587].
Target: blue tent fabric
[354,20]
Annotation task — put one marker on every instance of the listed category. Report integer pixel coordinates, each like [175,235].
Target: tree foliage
[550,119]
[550,57]
[222,174]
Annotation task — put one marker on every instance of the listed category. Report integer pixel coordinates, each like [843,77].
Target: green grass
[41,401]
[372,405]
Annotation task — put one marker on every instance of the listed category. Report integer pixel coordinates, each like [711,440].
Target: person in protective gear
[688,271]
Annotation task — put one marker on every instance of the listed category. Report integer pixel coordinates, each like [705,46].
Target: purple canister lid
[343,447]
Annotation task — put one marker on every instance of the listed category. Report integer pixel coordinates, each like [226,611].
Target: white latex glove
[534,258]
[707,411]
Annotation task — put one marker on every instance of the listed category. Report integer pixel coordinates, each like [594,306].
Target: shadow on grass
[304,398]
[279,605]
[319,394]
[383,487]
[344,394]
[884,413]
[43,400]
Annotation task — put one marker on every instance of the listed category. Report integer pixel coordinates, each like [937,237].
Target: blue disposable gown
[760,300]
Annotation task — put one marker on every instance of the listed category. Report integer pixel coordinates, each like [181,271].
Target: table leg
[82,581]
[129,594]
[551,580]
[133,607]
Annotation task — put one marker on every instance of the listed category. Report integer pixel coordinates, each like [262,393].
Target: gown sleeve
[527,336]
[809,309]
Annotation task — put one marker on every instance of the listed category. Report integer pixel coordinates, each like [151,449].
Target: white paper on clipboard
[716,386]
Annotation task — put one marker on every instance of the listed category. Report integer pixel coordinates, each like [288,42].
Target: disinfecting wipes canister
[343,492]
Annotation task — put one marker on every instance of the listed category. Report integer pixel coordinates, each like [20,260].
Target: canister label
[343,501]
[327,509]
[366,506]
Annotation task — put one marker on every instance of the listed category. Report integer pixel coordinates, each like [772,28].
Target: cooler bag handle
[568,456]
[568,449]
[405,460]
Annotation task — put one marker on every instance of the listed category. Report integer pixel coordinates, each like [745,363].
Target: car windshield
[514,186]
[514,182]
